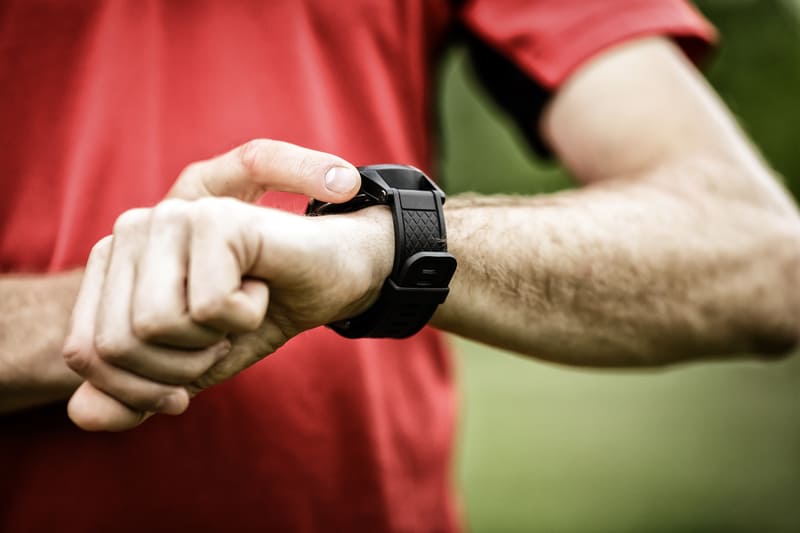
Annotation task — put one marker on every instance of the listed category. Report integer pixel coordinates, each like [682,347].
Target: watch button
[427,269]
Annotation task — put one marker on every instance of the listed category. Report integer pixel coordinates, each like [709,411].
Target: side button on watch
[422,268]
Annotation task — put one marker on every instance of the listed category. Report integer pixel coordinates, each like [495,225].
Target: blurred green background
[698,448]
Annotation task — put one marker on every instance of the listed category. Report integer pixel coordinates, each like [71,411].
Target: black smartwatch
[422,267]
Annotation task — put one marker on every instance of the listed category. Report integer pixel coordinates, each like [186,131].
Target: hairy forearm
[34,313]
[644,271]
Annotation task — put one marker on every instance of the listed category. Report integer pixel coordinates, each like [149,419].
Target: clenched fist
[188,293]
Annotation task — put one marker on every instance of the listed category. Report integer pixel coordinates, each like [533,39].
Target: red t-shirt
[103,103]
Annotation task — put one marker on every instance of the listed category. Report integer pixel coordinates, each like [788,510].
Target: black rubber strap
[404,307]
[419,225]
[422,232]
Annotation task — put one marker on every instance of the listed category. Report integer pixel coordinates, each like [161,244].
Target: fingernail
[341,179]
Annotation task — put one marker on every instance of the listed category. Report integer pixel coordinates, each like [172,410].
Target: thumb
[246,172]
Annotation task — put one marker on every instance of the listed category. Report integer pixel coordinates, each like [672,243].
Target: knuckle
[254,155]
[101,248]
[155,327]
[207,205]
[251,320]
[130,221]
[205,211]
[169,212]
[228,312]
[208,310]
[151,325]
[79,361]
[113,348]
[210,212]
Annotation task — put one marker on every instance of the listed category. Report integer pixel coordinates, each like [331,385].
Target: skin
[34,316]
[681,246]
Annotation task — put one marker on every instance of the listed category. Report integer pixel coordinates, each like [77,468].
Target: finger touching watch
[422,268]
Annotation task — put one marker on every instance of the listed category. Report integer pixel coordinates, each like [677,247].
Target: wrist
[36,310]
[365,241]
[378,244]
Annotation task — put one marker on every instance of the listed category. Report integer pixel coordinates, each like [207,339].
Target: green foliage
[697,449]
[711,447]
[757,72]
[483,152]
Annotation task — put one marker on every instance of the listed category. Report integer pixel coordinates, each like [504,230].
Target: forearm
[649,270]
[34,313]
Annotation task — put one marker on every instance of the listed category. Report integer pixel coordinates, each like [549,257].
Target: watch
[422,268]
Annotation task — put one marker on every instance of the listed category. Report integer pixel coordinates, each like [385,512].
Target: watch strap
[406,305]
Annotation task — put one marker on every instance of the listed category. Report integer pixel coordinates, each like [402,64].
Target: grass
[713,447]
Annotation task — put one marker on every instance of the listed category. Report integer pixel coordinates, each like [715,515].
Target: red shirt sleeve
[549,39]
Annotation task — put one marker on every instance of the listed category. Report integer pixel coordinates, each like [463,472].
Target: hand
[177,300]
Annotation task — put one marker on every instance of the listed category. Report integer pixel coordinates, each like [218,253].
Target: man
[681,245]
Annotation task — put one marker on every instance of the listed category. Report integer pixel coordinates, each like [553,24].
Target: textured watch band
[422,267]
